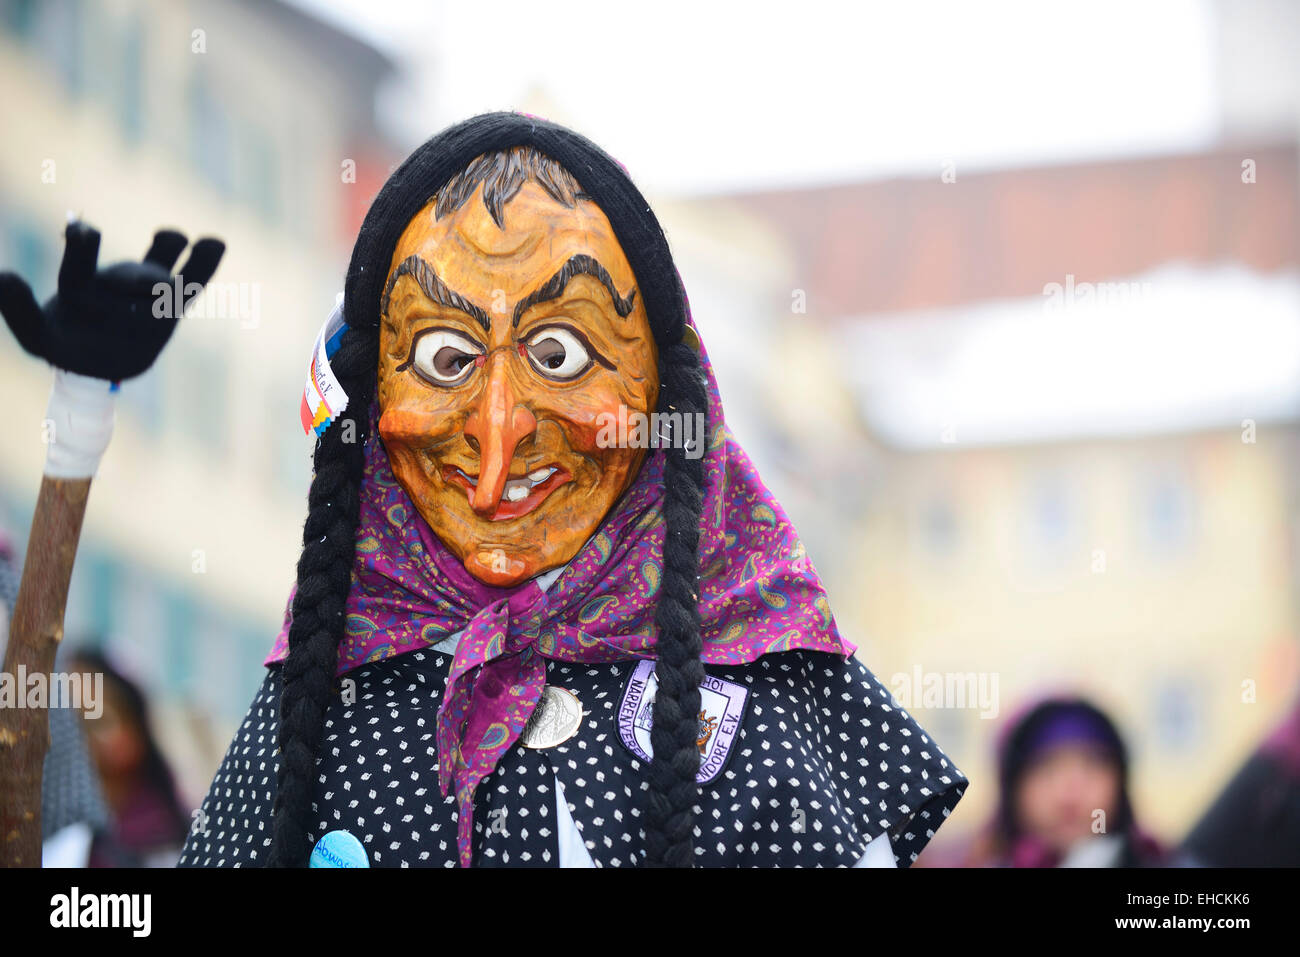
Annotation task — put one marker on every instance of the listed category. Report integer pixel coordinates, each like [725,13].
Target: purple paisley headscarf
[759,593]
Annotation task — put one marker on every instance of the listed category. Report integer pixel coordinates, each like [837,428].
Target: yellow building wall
[1153,574]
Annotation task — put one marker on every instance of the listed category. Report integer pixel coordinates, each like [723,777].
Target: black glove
[102,324]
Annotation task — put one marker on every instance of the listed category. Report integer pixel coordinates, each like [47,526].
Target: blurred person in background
[1255,821]
[1063,799]
[148,822]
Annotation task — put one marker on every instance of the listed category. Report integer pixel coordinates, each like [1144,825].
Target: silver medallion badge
[556,719]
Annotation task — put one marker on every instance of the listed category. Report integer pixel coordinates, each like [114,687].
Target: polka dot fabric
[378,780]
[825,760]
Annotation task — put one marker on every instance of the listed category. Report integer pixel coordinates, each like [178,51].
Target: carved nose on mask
[496,426]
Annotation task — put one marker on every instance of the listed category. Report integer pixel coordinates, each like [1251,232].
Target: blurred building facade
[1072,452]
[251,122]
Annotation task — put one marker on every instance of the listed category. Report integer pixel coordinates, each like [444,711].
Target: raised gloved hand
[104,323]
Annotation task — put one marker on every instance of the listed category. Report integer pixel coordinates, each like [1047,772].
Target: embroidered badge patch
[722,706]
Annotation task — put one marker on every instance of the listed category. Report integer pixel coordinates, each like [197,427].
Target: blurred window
[19,17]
[264,175]
[1049,500]
[104,582]
[197,397]
[130,91]
[290,451]
[138,637]
[1177,717]
[92,596]
[939,527]
[30,253]
[61,35]
[141,398]
[209,134]
[1167,511]
[182,618]
[54,29]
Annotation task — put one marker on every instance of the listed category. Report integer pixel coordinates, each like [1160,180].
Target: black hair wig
[329,535]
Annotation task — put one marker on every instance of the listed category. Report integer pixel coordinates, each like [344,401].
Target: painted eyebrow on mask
[579,265]
[434,289]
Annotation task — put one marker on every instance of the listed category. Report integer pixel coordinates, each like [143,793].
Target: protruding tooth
[516,493]
[541,475]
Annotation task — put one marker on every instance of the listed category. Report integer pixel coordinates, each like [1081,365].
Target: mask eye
[444,357]
[558,354]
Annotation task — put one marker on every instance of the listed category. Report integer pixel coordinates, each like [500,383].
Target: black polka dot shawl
[823,761]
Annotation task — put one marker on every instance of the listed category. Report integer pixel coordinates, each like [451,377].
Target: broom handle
[34,636]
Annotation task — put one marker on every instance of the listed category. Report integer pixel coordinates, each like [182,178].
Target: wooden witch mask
[512,333]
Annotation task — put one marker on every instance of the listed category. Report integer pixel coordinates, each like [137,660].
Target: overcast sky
[700,97]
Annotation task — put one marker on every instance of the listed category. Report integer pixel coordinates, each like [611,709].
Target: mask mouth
[522,494]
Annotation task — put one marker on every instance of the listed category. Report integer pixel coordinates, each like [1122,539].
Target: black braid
[324,578]
[670,805]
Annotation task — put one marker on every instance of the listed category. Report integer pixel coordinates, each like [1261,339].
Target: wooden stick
[34,636]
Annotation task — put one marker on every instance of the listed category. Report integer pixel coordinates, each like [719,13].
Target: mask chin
[496,567]
[493,565]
